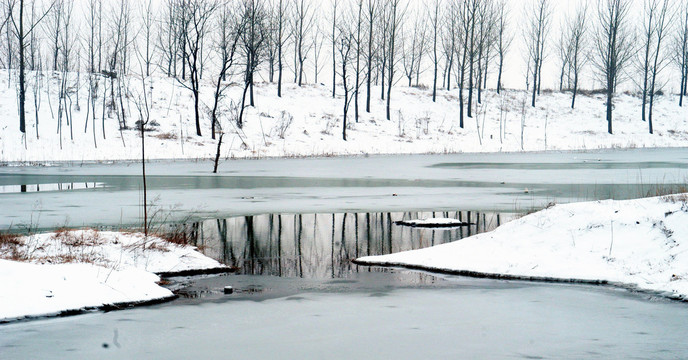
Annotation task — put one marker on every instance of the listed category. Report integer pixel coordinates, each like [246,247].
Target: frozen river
[396,315]
[291,227]
[110,194]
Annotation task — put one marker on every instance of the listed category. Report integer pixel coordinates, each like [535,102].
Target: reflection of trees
[282,245]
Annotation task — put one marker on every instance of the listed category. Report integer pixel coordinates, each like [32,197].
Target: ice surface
[468,318]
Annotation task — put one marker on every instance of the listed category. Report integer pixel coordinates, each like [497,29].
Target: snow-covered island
[637,244]
[69,271]
[433,223]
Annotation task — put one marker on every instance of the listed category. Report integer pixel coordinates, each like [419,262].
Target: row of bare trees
[463,43]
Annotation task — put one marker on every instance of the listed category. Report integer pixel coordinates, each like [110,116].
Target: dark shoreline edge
[196,272]
[541,279]
[91,309]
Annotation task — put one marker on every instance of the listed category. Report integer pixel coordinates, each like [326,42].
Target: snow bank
[85,269]
[640,244]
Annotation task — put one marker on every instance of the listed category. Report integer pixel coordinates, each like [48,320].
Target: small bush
[9,240]
[166,136]
[176,235]
[74,238]
[284,123]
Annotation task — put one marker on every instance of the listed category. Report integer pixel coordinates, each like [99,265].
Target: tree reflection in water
[323,245]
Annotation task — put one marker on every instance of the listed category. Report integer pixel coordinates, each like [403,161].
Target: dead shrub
[11,247]
[175,235]
[678,198]
[75,238]
[166,136]
[9,240]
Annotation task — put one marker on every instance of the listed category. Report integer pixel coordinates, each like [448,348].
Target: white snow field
[638,244]
[417,125]
[85,269]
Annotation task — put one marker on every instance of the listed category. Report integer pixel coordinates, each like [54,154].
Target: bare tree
[408,51]
[148,20]
[345,43]
[281,40]
[335,4]
[466,18]
[613,47]
[655,22]
[357,39]
[470,19]
[504,38]
[318,42]
[659,57]
[303,24]
[680,49]
[252,41]
[53,27]
[433,12]
[447,42]
[383,35]
[93,43]
[487,20]
[230,27]
[371,16]
[396,15]
[141,97]
[21,34]
[539,19]
[577,30]
[648,30]
[168,39]
[199,14]
[413,48]
[563,47]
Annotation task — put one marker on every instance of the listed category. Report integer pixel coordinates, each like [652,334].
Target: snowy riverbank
[307,121]
[638,244]
[71,271]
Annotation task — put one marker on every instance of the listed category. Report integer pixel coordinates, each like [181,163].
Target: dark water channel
[322,245]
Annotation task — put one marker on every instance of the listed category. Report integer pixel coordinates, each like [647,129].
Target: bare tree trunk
[334,58]
[395,19]
[371,17]
[471,59]
[22,80]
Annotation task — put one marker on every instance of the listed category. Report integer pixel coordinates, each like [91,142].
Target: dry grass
[7,239]
[74,238]
[69,258]
[10,247]
[166,136]
[667,190]
[676,198]
[177,235]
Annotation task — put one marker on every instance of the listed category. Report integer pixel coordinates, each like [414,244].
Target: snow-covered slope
[417,126]
[639,244]
[85,269]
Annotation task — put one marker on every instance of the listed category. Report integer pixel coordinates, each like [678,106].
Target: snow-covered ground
[417,125]
[639,244]
[53,273]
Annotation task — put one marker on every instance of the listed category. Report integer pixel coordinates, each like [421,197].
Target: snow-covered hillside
[417,126]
